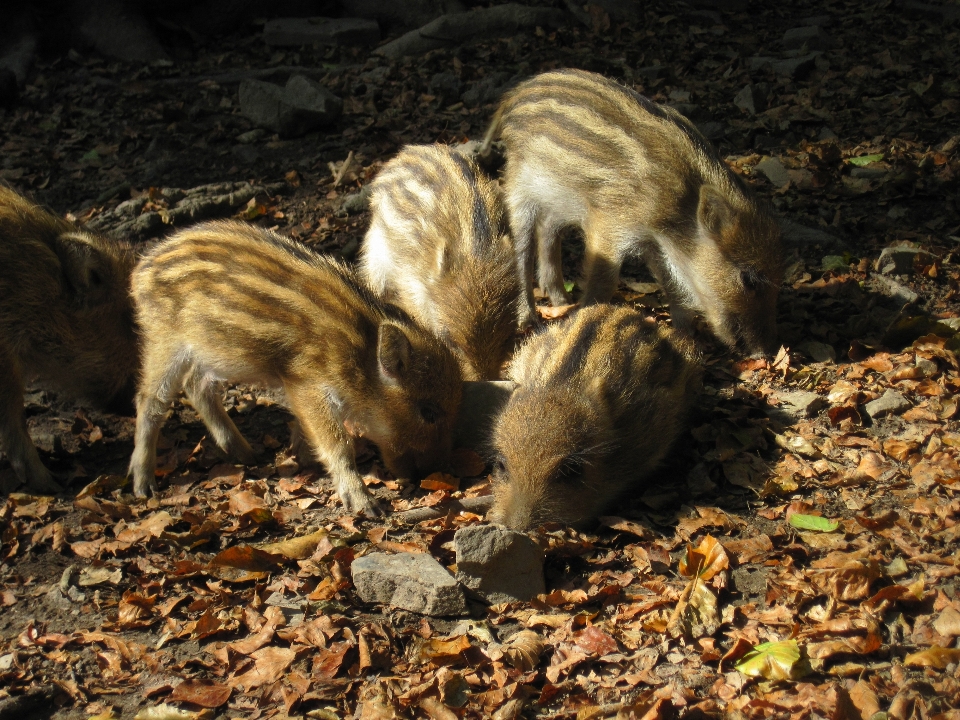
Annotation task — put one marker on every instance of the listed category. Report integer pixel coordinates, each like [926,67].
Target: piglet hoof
[145,488]
[243,454]
[43,484]
[357,501]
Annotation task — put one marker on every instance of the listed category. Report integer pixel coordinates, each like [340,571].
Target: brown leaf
[935,657]
[204,693]
[270,664]
[244,557]
[442,651]
[594,641]
[297,548]
[523,650]
[624,525]
[711,559]
[440,481]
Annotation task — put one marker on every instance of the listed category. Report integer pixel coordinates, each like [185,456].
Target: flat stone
[752,98]
[901,259]
[410,581]
[356,202]
[499,564]
[321,31]
[802,404]
[795,234]
[811,37]
[820,352]
[890,403]
[652,72]
[293,110]
[479,405]
[712,130]
[870,172]
[774,170]
[796,67]
[488,89]
[477,24]
[892,289]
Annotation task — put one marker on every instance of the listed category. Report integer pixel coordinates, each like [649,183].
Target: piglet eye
[750,280]
[499,466]
[430,413]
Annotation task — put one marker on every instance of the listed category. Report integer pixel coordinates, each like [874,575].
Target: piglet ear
[713,211]
[81,263]
[393,351]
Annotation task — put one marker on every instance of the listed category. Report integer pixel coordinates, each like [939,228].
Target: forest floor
[818,525]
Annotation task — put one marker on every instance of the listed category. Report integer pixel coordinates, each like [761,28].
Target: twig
[478,505]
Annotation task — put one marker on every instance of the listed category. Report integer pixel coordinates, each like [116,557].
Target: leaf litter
[788,561]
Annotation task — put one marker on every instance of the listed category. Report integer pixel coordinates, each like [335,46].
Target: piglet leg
[332,445]
[14,439]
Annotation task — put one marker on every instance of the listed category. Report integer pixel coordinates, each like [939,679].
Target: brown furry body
[600,398]
[437,249]
[65,317]
[228,301]
[637,178]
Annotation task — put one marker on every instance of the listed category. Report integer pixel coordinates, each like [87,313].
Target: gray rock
[321,31]
[817,20]
[820,352]
[802,404]
[486,90]
[446,86]
[411,581]
[712,130]
[927,367]
[483,23]
[774,170]
[901,259]
[752,99]
[293,609]
[499,564]
[811,37]
[795,67]
[892,289]
[795,234]
[891,402]
[870,172]
[356,203]
[652,72]
[479,405]
[294,110]
[251,136]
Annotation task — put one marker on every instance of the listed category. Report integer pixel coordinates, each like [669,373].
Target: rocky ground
[797,555]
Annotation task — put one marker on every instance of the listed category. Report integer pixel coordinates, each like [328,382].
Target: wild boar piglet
[437,248]
[637,178]
[226,301]
[600,398]
[66,318]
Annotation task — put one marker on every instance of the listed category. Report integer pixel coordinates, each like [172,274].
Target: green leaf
[569,285]
[773,661]
[834,262]
[813,522]
[865,159]
[91,155]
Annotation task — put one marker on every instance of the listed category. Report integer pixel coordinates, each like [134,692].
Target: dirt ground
[111,605]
